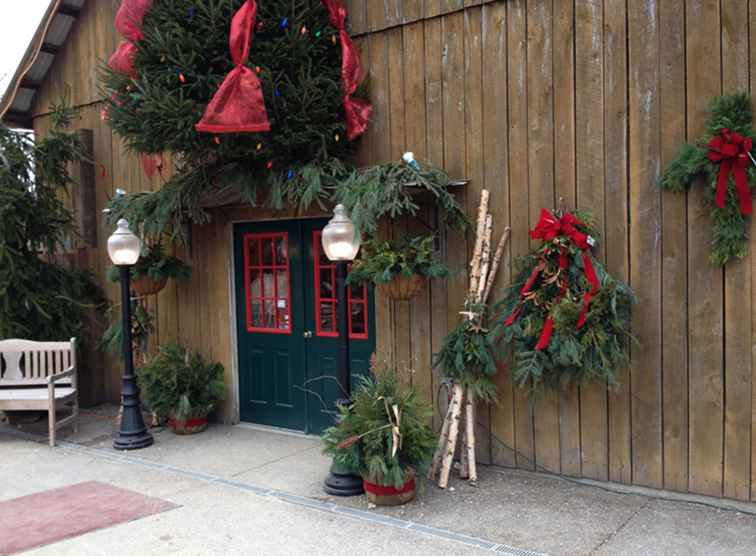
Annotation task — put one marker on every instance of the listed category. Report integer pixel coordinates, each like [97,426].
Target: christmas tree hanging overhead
[273,87]
[724,156]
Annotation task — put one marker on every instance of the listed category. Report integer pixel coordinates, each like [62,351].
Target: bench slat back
[25,362]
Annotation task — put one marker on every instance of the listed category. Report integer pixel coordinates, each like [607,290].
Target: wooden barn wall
[537,101]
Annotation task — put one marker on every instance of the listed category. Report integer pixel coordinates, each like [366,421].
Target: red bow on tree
[732,150]
[128,22]
[548,229]
[238,105]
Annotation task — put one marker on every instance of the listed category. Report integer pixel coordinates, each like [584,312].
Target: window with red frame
[267,283]
[326,304]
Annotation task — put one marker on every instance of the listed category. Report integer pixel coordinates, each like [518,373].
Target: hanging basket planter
[403,288]
[144,285]
[388,495]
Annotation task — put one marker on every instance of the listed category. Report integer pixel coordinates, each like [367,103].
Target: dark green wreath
[730,222]
[575,354]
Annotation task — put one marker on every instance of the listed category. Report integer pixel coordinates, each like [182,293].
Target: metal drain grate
[512,551]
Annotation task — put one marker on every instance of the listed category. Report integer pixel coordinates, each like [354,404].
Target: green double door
[287,335]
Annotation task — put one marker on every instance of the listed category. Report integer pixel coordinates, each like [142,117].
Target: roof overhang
[18,99]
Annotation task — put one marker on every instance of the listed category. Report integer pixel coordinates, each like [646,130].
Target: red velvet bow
[128,22]
[357,111]
[549,228]
[238,105]
[731,150]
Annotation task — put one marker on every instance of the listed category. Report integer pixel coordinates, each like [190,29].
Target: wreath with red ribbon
[724,156]
[565,317]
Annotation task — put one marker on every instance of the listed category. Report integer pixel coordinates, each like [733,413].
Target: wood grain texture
[645,243]
[590,158]
[705,295]
[674,250]
[737,287]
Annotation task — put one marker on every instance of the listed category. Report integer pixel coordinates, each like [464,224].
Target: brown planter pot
[187,426]
[389,495]
[403,288]
[144,285]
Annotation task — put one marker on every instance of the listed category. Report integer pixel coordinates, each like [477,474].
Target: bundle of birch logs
[483,270]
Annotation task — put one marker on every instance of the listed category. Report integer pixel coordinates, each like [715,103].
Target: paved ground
[248,491]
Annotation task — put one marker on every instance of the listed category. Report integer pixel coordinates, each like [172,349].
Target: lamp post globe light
[124,248]
[341,244]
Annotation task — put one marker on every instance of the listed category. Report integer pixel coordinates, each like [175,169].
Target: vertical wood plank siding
[583,101]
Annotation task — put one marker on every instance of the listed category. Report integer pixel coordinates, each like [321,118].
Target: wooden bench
[40,376]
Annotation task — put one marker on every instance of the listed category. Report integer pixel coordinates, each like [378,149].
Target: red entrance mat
[61,513]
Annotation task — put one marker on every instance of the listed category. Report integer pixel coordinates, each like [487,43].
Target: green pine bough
[551,284]
[155,264]
[732,114]
[41,297]
[380,261]
[384,433]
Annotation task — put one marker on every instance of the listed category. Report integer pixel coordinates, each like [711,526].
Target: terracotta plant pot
[187,426]
[388,495]
[402,288]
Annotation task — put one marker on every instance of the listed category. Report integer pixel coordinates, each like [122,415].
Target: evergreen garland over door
[286,325]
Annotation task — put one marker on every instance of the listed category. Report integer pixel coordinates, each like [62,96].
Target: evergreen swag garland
[566,318]
[723,156]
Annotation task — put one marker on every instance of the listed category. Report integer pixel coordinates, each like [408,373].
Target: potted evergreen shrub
[182,387]
[400,268]
[384,436]
[153,269]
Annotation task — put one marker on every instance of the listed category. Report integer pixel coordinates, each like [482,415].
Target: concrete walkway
[249,491]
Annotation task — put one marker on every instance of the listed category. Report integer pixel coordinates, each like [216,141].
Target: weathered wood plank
[737,331]
[616,158]
[645,243]
[589,77]
[496,180]
[540,103]
[674,250]
[705,318]
[518,196]
[752,246]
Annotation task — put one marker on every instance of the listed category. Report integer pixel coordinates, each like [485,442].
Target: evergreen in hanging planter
[153,269]
[566,318]
[383,436]
[400,268]
[182,387]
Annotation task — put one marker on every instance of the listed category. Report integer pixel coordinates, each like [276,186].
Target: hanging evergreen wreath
[273,102]
[724,156]
[566,318]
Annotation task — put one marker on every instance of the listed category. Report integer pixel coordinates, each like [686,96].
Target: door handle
[308,334]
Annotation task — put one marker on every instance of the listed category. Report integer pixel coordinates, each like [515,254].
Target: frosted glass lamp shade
[124,246]
[340,242]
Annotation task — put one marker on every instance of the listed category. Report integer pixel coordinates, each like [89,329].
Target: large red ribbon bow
[358,111]
[238,104]
[732,150]
[548,229]
[128,22]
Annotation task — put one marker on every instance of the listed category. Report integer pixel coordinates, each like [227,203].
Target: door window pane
[326,298]
[267,282]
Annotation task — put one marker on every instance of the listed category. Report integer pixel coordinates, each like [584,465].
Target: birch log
[479,233]
[463,465]
[495,265]
[472,467]
[443,439]
[451,444]
[485,259]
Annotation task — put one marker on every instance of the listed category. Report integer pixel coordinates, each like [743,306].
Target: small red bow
[732,150]
[549,228]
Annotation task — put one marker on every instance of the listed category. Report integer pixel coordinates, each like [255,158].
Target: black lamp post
[124,248]
[341,244]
